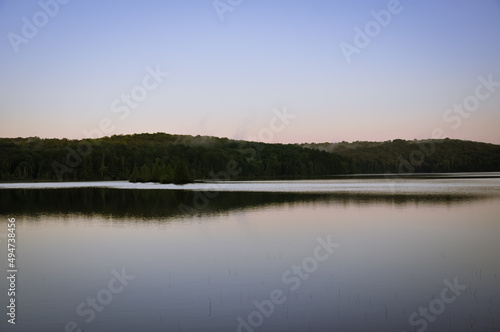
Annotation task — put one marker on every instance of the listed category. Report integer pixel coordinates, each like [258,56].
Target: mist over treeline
[169,158]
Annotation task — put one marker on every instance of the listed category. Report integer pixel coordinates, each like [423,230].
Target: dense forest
[416,156]
[168,158]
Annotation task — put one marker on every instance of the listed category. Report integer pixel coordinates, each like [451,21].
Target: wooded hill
[181,158]
[416,156]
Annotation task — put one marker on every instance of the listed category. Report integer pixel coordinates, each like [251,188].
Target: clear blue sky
[225,77]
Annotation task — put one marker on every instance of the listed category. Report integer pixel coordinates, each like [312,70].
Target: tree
[181,173]
[135,176]
[145,174]
[167,174]
[156,172]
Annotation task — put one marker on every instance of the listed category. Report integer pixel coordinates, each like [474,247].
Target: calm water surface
[201,258]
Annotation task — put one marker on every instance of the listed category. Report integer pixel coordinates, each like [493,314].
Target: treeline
[159,157]
[180,158]
[416,156]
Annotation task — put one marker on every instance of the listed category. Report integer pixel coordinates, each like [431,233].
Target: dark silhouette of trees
[135,176]
[181,173]
[180,158]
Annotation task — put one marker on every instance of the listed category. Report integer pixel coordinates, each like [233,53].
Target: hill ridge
[155,157]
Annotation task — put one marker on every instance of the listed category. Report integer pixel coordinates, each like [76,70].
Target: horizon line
[244,140]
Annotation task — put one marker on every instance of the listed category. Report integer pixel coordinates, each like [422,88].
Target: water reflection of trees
[165,203]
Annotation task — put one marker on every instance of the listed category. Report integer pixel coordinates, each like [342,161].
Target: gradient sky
[226,77]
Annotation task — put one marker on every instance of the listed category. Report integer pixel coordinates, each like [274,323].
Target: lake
[403,254]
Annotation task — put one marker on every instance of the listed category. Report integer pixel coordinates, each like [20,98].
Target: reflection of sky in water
[392,259]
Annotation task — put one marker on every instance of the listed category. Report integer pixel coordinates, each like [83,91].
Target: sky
[289,71]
